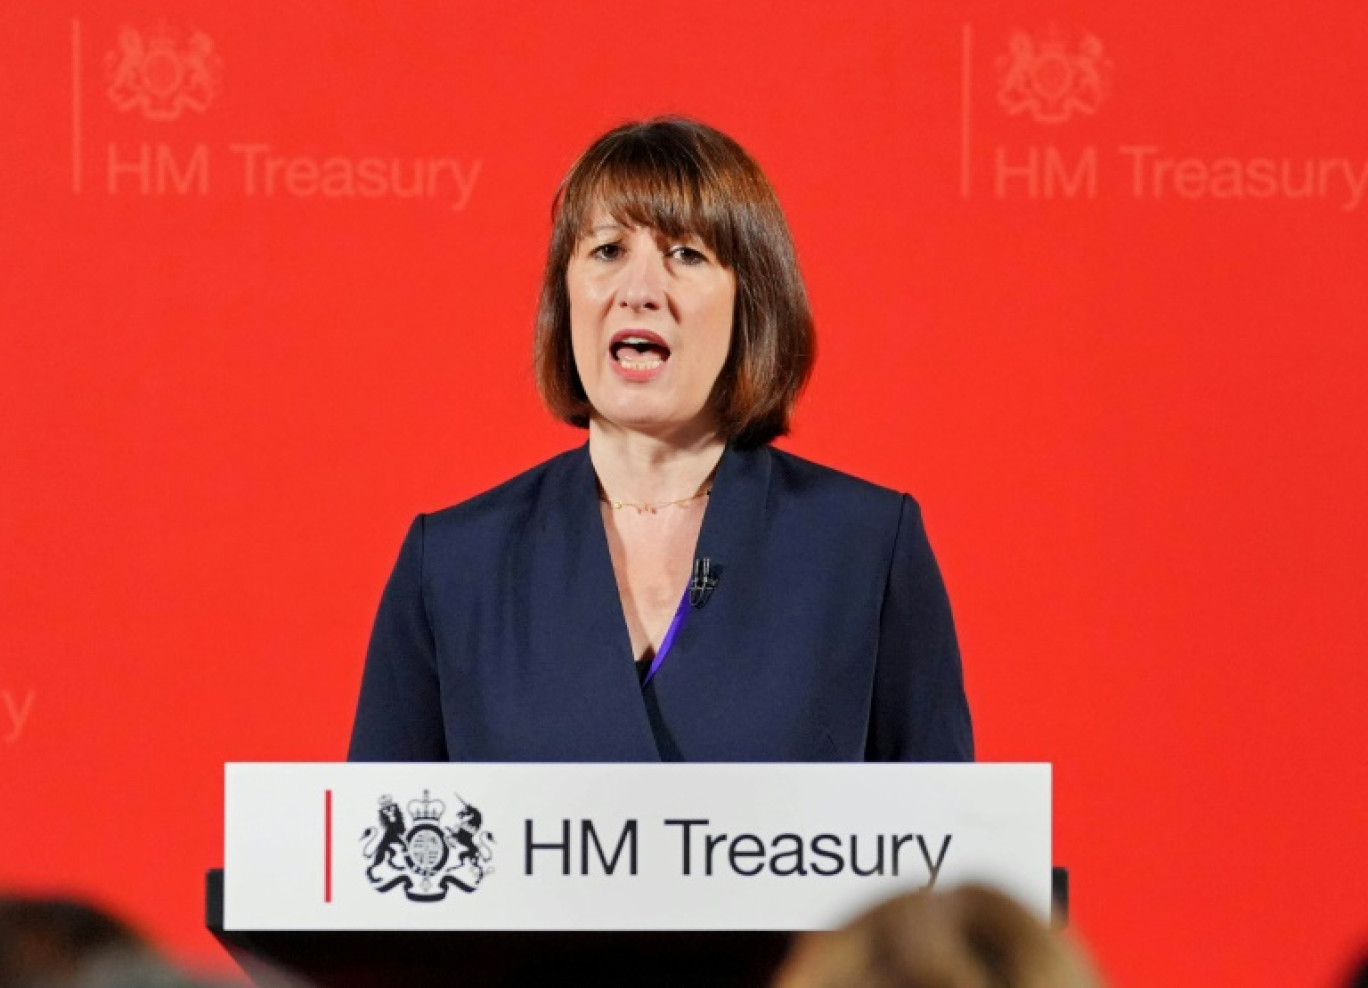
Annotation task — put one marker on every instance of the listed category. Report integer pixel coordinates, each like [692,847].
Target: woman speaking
[676,589]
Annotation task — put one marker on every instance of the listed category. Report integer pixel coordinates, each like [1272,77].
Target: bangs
[650,180]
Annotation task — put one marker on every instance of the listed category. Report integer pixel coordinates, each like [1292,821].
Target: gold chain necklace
[616,503]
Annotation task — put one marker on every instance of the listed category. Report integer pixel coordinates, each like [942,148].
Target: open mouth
[635,350]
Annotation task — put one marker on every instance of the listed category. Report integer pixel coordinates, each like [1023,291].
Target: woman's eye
[688,255]
[606,252]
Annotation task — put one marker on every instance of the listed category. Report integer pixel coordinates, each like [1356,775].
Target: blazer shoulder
[508,506]
[825,485]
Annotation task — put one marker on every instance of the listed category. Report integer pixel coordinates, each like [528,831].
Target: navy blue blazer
[828,637]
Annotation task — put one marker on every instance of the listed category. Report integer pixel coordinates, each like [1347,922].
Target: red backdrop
[1089,279]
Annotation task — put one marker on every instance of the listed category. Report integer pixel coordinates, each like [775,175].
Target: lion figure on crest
[385,844]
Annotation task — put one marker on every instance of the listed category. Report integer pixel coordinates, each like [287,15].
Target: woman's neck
[650,469]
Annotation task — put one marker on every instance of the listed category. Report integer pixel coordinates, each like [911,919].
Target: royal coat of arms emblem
[1045,78]
[424,856]
[159,75]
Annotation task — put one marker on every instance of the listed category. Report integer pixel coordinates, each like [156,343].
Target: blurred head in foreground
[66,943]
[970,937]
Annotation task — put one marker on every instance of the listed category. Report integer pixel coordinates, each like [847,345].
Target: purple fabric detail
[668,641]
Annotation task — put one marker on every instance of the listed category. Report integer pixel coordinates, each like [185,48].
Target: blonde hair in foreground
[970,937]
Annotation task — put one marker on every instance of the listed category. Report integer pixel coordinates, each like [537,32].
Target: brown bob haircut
[683,178]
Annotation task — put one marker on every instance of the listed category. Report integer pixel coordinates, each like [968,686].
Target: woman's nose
[643,280]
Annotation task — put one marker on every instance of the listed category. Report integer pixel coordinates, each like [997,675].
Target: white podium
[589,854]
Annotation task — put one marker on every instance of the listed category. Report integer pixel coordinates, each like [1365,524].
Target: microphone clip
[704,581]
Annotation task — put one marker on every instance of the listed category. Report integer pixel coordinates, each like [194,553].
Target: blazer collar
[733,522]
[735,519]
[733,527]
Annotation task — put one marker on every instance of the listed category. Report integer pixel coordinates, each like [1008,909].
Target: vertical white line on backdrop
[966,80]
[76,106]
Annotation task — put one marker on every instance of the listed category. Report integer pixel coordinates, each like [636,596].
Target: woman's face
[651,326]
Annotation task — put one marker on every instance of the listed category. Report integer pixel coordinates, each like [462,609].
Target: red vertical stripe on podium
[327,845]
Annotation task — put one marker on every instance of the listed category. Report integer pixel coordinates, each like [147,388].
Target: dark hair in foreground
[69,943]
[970,937]
[683,178]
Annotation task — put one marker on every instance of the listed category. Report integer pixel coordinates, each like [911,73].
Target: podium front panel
[620,847]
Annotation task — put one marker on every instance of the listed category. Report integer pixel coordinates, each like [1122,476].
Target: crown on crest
[1052,41]
[426,808]
[161,38]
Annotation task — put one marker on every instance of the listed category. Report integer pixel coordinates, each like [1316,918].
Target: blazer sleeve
[399,713]
[920,712]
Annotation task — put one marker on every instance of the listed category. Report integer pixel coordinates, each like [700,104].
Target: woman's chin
[656,424]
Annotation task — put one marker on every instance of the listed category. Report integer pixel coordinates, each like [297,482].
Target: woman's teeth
[635,353]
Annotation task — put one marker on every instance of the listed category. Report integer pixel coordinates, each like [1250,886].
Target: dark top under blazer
[500,636]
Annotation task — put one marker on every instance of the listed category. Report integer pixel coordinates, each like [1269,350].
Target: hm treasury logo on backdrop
[1046,78]
[155,79]
[160,75]
[1055,101]
[425,857]
[16,713]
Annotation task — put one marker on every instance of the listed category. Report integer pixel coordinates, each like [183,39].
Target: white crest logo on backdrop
[157,73]
[1044,77]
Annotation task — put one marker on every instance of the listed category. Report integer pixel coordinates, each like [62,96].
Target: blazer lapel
[736,508]
[596,639]
[683,697]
